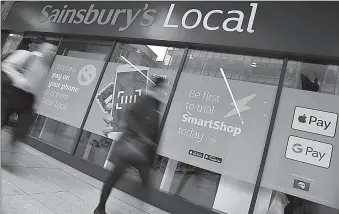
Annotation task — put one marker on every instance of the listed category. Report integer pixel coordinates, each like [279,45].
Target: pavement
[34,183]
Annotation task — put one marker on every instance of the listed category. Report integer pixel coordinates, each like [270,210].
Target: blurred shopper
[23,75]
[137,146]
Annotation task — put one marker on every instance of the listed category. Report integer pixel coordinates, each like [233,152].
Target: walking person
[23,75]
[138,144]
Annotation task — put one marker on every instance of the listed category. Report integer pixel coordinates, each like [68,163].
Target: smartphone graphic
[128,86]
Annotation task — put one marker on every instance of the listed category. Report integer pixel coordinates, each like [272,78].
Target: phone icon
[128,86]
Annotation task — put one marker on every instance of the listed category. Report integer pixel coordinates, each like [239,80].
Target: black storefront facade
[261,57]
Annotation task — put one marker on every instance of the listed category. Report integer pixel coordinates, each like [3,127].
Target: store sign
[92,15]
[203,127]
[314,121]
[67,94]
[245,25]
[309,151]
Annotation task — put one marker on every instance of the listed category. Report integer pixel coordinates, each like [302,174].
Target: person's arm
[17,78]
[11,66]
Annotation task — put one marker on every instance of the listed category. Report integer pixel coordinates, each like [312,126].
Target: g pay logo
[309,151]
[314,121]
[87,74]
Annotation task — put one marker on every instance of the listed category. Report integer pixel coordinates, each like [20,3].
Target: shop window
[69,88]
[305,127]
[238,67]
[151,60]
[11,44]
[216,129]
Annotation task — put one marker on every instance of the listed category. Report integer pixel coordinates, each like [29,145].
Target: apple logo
[302,119]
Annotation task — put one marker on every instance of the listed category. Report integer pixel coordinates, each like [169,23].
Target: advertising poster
[127,84]
[70,85]
[204,128]
[303,156]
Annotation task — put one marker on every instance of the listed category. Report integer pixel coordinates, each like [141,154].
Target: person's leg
[6,105]
[108,185]
[25,120]
[144,171]
[25,114]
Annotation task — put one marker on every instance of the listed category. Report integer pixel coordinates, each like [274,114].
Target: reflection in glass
[312,77]
[194,184]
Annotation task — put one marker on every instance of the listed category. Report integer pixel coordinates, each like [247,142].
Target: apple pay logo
[309,151]
[314,121]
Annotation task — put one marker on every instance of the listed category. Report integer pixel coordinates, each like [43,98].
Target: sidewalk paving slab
[42,184]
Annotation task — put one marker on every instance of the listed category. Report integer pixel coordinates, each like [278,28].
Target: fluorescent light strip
[229,89]
[137,69]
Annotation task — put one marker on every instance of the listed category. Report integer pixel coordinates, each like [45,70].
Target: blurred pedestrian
[23,75]
[137,146]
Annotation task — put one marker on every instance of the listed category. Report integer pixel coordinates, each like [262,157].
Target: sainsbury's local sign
[229,21]
[262,27]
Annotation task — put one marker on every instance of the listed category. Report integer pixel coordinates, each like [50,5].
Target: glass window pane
[302,145]
[66,96]
[216,128]
[152,61]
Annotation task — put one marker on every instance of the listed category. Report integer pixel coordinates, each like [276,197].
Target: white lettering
[54,16]
[251,21]
[168,17]
[212,124]
[130,18]
[73,11]
[205,22]
[61,14]
[44,14]
[197,22]
[108,18]
[239,21]
[80,16]
[89,13]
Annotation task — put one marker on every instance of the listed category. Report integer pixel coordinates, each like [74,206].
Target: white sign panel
[309,151]
[314,121]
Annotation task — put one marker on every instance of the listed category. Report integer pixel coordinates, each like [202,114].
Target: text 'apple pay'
[315,121]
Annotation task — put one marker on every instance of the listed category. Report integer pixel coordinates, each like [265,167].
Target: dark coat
[141,120]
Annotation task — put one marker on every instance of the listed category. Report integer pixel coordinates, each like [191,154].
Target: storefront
[252,97]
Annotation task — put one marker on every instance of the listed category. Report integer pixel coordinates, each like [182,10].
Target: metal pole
[172,164]
[268,139]
[81,129]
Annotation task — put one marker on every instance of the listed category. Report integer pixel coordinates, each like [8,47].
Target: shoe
[99,211]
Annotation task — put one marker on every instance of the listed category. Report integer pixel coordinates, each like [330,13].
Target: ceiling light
[254,64]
